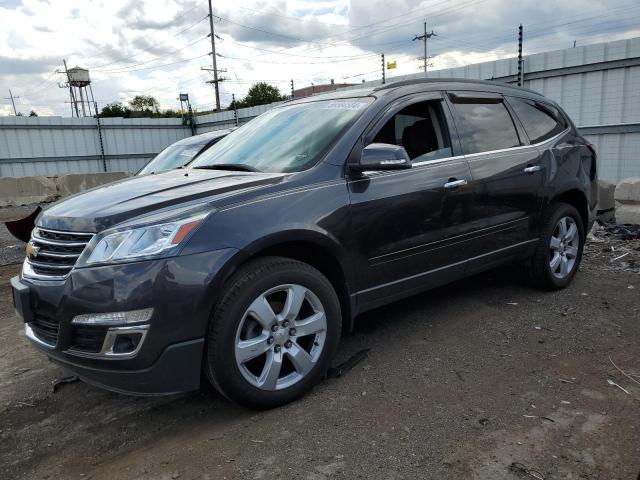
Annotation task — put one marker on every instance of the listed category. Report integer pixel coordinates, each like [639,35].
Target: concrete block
[606,191]
[606,202]
[628,213]
[15,191]
[79,182]
[628,190]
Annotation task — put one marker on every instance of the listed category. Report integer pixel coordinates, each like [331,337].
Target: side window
[539,121]
[421,129]
[485,126]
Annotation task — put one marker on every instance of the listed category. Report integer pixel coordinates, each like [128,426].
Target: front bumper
[181,291]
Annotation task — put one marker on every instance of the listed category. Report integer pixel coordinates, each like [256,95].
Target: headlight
[144,241]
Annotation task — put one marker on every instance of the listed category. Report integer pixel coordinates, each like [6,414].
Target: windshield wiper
[240,167]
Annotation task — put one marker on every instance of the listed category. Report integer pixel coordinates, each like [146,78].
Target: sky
[159,47]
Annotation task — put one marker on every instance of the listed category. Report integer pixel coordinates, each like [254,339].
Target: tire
[244,349]
[539,270]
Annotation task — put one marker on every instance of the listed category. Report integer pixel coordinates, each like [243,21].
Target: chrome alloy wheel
[280,337]
[563,248]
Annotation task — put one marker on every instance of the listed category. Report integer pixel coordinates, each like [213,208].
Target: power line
[163,65]
[278,62]
[125,69]
[352,57]
[120,60]
[104,52]
[549,26]
[380,29]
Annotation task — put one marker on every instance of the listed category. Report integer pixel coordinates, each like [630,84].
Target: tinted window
[485,126]
[420,128]
[539,121]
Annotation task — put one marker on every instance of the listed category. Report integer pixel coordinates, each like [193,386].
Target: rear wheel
[558,254]
[273,333]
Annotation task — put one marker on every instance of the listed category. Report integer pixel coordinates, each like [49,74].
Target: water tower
[80,91]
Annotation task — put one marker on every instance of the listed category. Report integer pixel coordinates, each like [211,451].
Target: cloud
[132,46]
[22,66]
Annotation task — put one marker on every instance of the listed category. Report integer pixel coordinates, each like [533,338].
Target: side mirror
[382,156]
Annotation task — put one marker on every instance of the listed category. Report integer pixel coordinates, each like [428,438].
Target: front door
[410,225]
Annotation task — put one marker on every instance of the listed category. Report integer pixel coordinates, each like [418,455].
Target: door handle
[532,169]
[455,184]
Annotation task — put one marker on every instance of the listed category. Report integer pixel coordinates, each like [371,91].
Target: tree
[259,94]
[115,109]
[144,103]
[33,113]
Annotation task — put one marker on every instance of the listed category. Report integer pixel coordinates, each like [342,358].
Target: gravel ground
[11,249]
[483,379]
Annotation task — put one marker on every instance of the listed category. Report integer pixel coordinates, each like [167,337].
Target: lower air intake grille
[88,338]
[46,329]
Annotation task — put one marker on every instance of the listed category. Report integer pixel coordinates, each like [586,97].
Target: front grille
[46,329]
[55,253]
[88,338]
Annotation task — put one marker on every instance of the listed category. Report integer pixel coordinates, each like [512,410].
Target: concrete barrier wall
[627,198]
[16,191]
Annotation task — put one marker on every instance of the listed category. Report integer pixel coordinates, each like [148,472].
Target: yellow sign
[391,65]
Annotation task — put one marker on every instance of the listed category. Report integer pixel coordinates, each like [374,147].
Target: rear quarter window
[540,121]
[485,126]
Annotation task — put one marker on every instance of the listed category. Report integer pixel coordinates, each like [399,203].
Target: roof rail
[417,81]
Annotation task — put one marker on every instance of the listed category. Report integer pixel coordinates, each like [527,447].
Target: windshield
[174,156]
[286,139]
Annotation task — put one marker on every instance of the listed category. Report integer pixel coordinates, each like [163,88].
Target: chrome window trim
[469,157]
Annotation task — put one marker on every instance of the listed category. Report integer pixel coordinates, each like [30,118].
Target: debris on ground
[344,367]
[58,384]
[614,384]
[619,244]
[520,469]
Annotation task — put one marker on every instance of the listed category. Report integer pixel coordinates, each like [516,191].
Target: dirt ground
[482,379]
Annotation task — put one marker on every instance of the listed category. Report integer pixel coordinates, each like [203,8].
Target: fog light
[114,318]
[126,343]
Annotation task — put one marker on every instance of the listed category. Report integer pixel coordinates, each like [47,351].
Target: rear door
[409,225]
[506,175]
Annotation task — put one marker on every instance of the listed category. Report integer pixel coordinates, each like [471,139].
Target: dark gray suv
[249,264]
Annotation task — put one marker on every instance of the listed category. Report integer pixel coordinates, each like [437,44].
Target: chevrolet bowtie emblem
[32,250]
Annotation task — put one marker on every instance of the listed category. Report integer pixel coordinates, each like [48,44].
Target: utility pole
[520,75]
[215,80]
[424,37]
[383,77]
[12,97]
[292,89]
[235,108]
[99,125]
[74,103]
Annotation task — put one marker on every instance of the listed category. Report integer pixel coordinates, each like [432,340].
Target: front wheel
[559,251]
[273,333]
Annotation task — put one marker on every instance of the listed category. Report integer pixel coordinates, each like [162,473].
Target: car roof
[404,87]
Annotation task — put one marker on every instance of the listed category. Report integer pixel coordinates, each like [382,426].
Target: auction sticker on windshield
[343,105]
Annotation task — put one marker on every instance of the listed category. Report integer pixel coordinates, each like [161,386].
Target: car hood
[109,205]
